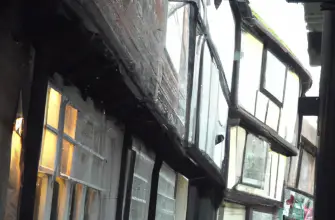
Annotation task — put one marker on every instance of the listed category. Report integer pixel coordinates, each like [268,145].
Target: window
[255,161]
[177,49]
[250,71]
[72,186]
[233,212]
[270,94]
[307,172]
[253,167]
[288,128]
[296,206]
[141,185]
[166,201]
[195,86]
[274,78]
[222,29]
[261,216]
[213,109]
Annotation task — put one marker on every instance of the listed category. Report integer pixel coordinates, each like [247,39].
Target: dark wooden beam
[33,137]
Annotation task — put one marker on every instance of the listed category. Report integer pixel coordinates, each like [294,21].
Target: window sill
[247,199]
[279,144]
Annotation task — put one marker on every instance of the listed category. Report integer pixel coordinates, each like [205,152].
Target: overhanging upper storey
[267,83]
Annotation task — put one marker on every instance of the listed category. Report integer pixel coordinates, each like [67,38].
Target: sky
[288,21]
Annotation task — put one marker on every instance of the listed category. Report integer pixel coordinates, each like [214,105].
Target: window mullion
[60,137]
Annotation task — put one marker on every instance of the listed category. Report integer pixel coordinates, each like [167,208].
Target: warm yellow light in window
[53,106]
[48,153]
[70,121]
[67,156]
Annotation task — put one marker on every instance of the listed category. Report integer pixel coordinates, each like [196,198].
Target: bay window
[268,89]
[213,109]
[253,167]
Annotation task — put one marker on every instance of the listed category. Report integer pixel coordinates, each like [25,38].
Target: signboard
[296,207]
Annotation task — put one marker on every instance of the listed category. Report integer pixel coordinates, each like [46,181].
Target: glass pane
[219,149]
[306,180]
[92,205]
[234,212]
[272,116]
[141,187]
[85,129]
[212,110]
[40,197]
[67,157]
[70,121]
[205,96]
[222,29]
[250,71]
[53,107]
[261,216]
[48,151]
[237,144]
[280,177]
[195,85]
[274,76]
[255,162]
[177,46]
[261,106]
[288,118]
[165,208]
[77,196]
[54,203]
[274,168]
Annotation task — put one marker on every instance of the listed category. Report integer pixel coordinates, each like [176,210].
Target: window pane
[261,106]
[233,212]
[77,197]
[141,186]
[274,168]
[48,151]
[205,95]
[212,110]
[292,175]
[92,205]
[70,121]
[54,203]
[255,161]
[165,208]
[222,111]
[250,71]
[261,216]
[306,181]
[193,108]
[53,106]
[272,116]
[86,166]
[177,46]
[288,119]
[280,177]
[40,196]
[237,144]
[274,76]
[67,157]
[222,29]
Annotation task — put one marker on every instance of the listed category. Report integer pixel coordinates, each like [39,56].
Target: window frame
[214,61]
[262,88]
[244,155]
